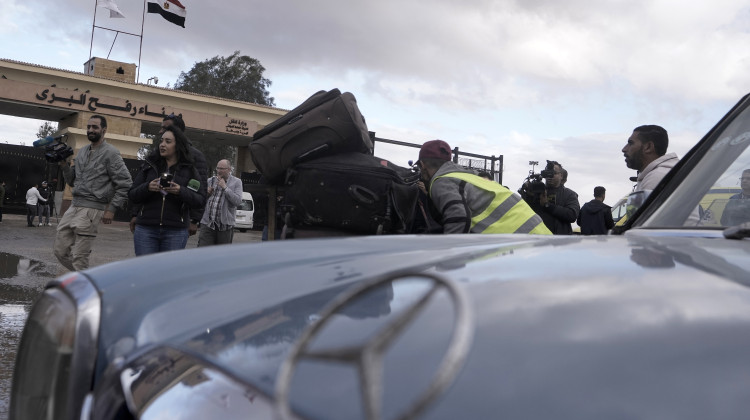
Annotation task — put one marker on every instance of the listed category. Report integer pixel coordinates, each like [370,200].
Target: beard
[93,137]
[635,161]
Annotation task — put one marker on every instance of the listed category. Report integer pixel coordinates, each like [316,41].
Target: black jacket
[562,210]
[168,210]
[44,192]
[595,218]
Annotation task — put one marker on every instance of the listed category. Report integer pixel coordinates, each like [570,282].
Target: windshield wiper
[740,231]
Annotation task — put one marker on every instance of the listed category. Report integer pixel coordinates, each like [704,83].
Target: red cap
[435,149]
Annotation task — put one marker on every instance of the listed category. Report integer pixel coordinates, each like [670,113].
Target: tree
[237,77]
[45,130]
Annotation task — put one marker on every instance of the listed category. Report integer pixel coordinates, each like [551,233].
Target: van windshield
[245,205]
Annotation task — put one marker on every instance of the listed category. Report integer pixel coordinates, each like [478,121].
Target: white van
[244,214]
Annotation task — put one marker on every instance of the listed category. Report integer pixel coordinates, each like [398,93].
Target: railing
[491,164]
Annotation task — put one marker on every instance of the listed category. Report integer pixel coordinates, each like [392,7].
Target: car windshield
[715,193]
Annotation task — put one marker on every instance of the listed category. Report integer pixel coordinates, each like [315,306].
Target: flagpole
[140,49]
[93,25]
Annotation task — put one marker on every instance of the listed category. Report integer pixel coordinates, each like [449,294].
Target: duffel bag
[353,192]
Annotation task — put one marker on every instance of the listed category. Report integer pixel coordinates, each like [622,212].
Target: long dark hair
[182,147]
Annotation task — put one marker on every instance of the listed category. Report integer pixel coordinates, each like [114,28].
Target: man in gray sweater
[100,182]
[224,195]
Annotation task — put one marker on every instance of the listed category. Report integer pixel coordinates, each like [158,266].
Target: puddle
[12,318]
[15,265]
[15,303]
[21,282]
[13,294]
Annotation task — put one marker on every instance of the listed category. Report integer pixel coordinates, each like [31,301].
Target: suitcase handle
[362,194]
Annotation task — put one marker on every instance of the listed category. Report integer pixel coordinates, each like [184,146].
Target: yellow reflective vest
[505,213]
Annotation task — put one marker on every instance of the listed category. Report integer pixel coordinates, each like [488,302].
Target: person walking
[224,195]
[43,208]
[595,217]
[100,182]
[32,200]
[166,188]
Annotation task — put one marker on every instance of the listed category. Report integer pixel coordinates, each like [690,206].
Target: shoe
[39,224]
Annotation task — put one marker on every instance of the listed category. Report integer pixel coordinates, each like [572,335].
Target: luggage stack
[320,156]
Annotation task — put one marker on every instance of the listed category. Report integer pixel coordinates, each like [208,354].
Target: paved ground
[27,263]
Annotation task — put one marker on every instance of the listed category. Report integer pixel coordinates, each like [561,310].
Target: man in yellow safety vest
[468,203]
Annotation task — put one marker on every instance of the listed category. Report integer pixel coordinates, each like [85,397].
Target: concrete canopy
[70,98]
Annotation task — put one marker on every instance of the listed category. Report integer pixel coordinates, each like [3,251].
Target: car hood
[645,325]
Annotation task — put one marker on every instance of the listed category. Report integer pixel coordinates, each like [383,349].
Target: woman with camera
[164,190]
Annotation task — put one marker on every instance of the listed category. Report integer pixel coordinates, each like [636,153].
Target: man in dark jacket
[595,217]
[43,208]
[558,206]
[737,209]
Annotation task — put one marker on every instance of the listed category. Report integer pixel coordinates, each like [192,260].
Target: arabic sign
[88,101]
[94,104]
[238,127]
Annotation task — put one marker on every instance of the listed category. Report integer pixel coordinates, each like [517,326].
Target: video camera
[533,186]
[58,152]
[55,150]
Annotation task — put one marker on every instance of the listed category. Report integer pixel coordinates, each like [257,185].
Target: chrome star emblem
[368,357]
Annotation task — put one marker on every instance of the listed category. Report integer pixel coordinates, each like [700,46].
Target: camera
[549,170]
[57,152]
[165,179]
[533,186]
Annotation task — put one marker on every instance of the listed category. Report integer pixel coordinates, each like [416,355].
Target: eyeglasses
[222,169]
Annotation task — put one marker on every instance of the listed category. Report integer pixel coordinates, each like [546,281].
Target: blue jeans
[43,211]
[153,239]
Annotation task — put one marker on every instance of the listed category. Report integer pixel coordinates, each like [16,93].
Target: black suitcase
[325,124]
[352,192]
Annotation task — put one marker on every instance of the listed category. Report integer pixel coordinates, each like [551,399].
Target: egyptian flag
[171,10]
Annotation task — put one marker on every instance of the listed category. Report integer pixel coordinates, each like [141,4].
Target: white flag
[114,11]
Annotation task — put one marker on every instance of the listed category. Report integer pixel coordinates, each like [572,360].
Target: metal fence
[491,164]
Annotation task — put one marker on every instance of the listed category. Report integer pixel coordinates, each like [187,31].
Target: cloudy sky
[527,79]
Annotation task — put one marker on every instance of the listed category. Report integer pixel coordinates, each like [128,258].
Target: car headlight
[56,356]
